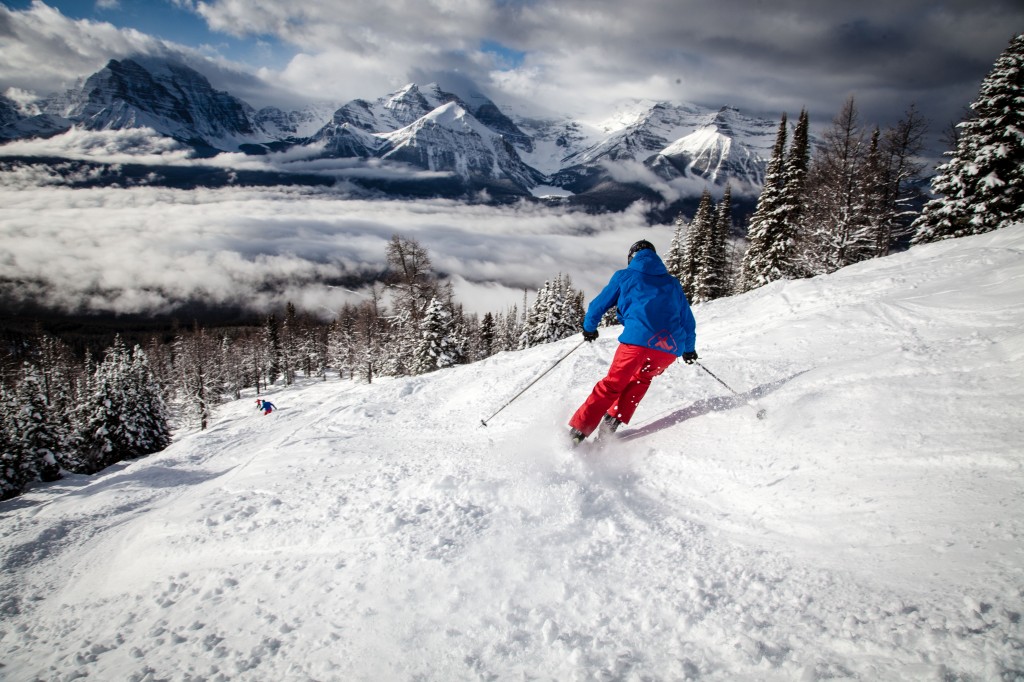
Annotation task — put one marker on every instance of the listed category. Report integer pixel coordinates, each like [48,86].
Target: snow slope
[872,527]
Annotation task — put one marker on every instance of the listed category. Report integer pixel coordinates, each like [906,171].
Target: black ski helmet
[639,246]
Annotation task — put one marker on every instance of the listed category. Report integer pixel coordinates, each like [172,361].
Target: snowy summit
[870,528]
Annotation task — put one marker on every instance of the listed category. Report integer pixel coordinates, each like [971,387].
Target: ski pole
[483,422]
[761,413]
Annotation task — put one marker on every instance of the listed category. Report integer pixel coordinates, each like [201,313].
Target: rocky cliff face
[170,98]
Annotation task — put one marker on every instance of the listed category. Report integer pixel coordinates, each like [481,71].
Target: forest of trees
[853,196]
[63,412]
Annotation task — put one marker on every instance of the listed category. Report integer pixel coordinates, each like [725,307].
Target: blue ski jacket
[651,306]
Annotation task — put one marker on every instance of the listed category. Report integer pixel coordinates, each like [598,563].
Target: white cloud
[148,249]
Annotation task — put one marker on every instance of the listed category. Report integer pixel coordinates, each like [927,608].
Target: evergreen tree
[37,430]
[488,335]
[982,185]
[123,414]
[433,351]
[534,326]
[16,470]
[698,241]
[146,416]
[793,195]
[717,276]
[771,254]
[610,318]
[510,329]
[675,259]
[556,313]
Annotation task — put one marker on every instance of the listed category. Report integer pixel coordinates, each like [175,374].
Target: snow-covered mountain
[450,139]
[869,529]
[294,125]
[170,98]
[680,141]
[724,147]
[465,136]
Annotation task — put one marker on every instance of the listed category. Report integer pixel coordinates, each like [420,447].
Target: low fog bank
[151,251]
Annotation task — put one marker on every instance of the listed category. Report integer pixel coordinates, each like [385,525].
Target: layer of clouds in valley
[148,250]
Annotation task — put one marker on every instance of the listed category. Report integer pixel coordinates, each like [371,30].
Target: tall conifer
[770,255]
[982,185]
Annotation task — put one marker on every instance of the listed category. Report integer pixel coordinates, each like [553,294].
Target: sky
[577,57]
[870,528]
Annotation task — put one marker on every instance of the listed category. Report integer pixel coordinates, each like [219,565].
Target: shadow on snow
[707,406]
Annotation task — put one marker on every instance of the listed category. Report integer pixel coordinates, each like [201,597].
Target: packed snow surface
[872,527]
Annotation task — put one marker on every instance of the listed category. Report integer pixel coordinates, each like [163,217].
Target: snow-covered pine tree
[104,440]
[510,329]
[458,336]
[146,415]
[400,337]
[436,344]
[697,238]
[982,184]
[770,255]
[488,336]
[556,313]
[793,196]
[37,430]
[717,276]
[534,330]
[675,258]
[60,373]
[552,325]
[610,318]
[16,470]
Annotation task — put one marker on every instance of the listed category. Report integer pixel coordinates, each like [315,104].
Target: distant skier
[265,405]
[659,327]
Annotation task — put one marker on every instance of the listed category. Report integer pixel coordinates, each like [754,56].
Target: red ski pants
[625,385]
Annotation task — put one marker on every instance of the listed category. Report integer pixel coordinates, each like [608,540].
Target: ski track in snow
[870,528]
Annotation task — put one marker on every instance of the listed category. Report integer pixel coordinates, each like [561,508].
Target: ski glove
[690,357]
[589,336]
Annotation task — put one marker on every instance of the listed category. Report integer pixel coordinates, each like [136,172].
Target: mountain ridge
[670,141]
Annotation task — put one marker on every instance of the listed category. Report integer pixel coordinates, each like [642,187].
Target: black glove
[589,336]
[690,357]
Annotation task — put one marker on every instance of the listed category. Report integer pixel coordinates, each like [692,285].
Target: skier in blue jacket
[658,328]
